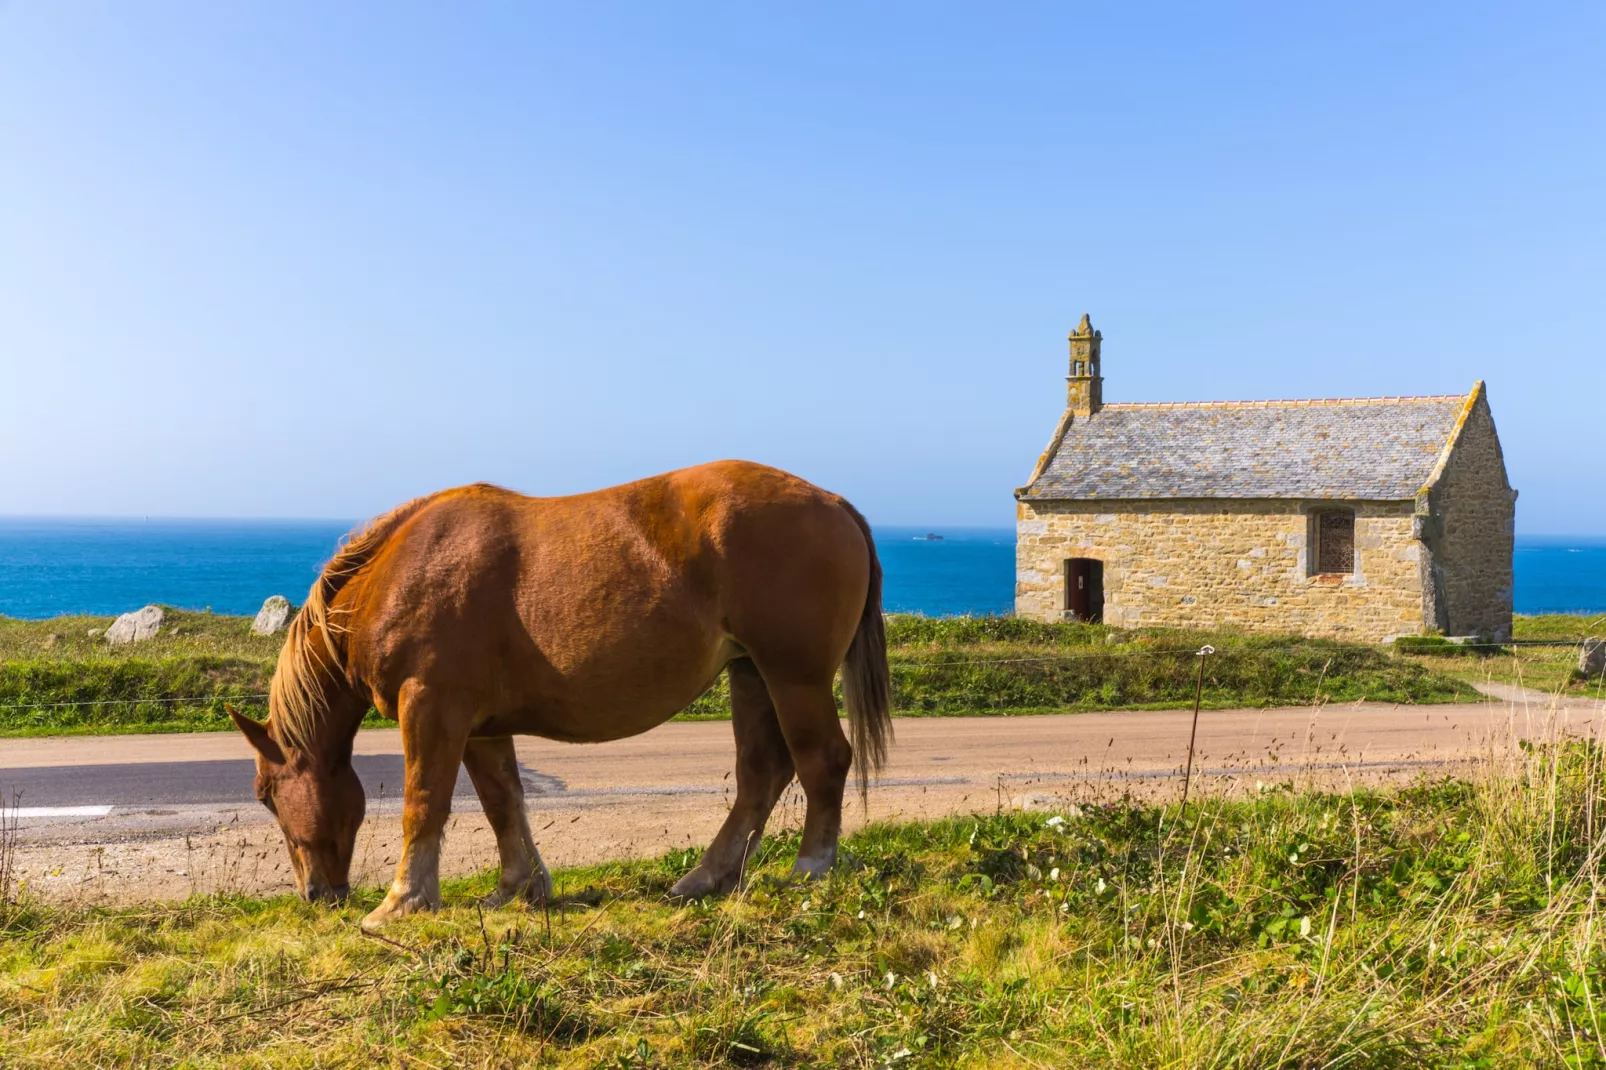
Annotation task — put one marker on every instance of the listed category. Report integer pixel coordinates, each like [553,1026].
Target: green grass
[1562,626]
[71,681]
[1454,925]
[57,679]
[1550,669]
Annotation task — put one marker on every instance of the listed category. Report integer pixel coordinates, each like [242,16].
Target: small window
[1335,542]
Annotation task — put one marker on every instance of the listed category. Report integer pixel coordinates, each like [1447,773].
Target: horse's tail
[296,700]
[866,680]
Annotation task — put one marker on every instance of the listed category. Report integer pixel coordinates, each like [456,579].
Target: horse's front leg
[432,744]
[494,767]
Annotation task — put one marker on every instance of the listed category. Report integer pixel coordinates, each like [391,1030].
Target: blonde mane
[296,700]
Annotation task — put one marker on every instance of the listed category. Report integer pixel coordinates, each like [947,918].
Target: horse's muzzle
[326,893]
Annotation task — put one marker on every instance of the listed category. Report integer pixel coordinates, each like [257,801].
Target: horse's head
[319,804]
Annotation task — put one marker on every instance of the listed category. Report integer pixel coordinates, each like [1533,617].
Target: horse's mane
[296,701]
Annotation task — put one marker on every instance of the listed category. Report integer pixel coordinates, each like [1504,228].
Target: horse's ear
[256,733]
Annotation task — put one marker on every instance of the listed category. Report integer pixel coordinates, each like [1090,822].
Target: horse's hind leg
[432,744]
[763,769]
[808,718]
[494,768]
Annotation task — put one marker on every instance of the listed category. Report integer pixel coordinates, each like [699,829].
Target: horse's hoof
[811,869]
[699,884]
[396,906]
[535,890]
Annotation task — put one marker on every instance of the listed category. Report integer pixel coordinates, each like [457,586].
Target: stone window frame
[1313,549]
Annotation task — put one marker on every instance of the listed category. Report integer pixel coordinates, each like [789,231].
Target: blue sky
[281,260]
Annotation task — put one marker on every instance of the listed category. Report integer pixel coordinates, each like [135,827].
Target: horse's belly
[614,692]
[595,715]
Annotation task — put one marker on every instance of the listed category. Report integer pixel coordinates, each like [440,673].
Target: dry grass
[1452,924]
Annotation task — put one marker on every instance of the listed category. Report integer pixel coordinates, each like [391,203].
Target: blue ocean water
[54,566]
[50,566]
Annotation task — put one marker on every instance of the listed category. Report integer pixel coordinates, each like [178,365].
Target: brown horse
[477,614]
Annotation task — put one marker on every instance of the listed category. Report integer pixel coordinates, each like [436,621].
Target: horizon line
[135,518]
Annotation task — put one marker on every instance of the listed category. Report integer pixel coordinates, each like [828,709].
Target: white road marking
[55,811]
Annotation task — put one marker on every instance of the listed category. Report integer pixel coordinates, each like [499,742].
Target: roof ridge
[1402,399]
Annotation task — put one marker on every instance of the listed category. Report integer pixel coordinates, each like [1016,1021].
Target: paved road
[145,784]
[149,804]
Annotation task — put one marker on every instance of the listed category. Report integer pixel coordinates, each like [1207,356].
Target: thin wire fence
[137,701]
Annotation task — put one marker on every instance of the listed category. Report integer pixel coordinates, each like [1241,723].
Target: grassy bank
[1452,925]
[57,678]
[1551,669]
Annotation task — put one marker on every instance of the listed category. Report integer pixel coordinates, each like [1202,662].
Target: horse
[476,614]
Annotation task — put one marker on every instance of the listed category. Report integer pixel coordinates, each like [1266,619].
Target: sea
[51,566]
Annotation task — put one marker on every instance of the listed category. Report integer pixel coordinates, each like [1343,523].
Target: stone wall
[1209,563]
[1472,515]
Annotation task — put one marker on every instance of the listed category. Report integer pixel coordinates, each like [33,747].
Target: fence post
[1198,693]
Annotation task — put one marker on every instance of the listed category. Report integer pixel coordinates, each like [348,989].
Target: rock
[1038,800]
[93,632]
[136,627]
[274,616]
[1592,657]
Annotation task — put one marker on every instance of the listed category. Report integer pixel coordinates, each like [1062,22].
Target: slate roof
[1379,449]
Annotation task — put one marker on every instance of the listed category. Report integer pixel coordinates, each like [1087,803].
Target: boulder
[136,627]
[1592,657]
[273,617]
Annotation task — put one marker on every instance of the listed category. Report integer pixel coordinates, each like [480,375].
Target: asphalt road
[217,781]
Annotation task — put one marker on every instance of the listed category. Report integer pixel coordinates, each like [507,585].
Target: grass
[55,678]
[1452,924]
[1551,669]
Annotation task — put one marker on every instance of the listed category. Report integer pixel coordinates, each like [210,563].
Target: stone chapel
[1354,518]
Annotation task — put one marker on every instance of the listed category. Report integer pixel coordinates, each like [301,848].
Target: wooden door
[1084,589]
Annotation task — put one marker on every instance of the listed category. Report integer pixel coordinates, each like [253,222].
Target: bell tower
[1084,387]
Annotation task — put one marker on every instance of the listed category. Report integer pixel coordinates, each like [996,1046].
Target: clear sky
[266,259]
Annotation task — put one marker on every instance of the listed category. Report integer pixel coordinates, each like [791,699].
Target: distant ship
[932,536]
